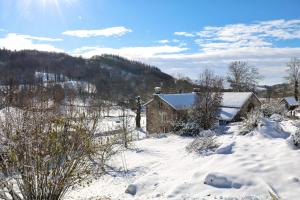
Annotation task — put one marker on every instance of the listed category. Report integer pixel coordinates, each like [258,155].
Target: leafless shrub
[272,107]
[46,153]
[203,145]
[126,130]
[106,149]
[250,122]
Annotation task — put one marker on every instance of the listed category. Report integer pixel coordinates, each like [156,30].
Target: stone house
[164,109]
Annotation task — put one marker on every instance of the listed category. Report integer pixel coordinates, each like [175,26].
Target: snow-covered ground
[245,167]
[114,120]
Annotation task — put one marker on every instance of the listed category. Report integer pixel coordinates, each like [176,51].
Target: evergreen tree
[138,112]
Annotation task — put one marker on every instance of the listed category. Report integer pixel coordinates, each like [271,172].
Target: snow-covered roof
[291,101]
[235,99]
[187,100]
[227,114]
[179,101]
[230,105]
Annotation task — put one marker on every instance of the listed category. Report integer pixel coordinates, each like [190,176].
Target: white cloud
[270,61]
[45,39]
[164,41]
[130,52]
[216,46]
[259,34]
[14,41]
[186,34]
[107,32]
[172,41]
[220,45]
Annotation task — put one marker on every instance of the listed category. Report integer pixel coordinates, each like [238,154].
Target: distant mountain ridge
[276,91]
[113,76]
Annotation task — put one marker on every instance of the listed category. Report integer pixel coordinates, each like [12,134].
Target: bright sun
[46,5]
[55,2]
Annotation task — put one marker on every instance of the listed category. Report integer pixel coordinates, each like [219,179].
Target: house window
[163,117]
[160,105]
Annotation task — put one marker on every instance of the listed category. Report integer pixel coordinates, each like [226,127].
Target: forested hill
[114,77]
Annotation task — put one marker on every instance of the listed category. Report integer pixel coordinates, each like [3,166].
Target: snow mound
[225,148]
[272,129]
[220,180]
[276,117]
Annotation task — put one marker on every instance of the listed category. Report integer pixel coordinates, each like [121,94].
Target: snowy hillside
[243,167]
[65,82]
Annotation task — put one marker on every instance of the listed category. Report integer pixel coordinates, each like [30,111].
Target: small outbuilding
[290,103]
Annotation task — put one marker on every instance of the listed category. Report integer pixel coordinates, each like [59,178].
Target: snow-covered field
[245,167]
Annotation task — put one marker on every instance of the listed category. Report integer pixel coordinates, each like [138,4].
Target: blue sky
[180,37]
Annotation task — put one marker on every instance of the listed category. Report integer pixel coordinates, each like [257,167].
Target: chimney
[157,90]
[196,90]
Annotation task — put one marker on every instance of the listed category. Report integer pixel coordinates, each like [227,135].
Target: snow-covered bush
[272,107]
[207,133]
[296,138]
[186,128]
[203,145]
[276,117]
[178,125]
[250,122]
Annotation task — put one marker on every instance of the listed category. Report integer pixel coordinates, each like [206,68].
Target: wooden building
[290,103]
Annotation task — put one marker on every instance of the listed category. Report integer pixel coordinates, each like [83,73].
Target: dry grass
[273,196]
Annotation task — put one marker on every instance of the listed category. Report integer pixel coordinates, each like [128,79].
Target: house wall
[252,103]
[160,116]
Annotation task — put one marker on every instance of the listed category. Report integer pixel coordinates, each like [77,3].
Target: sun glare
[52,6]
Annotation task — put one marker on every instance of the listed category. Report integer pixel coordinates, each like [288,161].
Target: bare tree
[205,111]
[294,74]
[43,153]
[242,77]
[125,124]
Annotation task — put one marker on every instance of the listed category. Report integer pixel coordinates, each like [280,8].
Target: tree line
[113,76]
